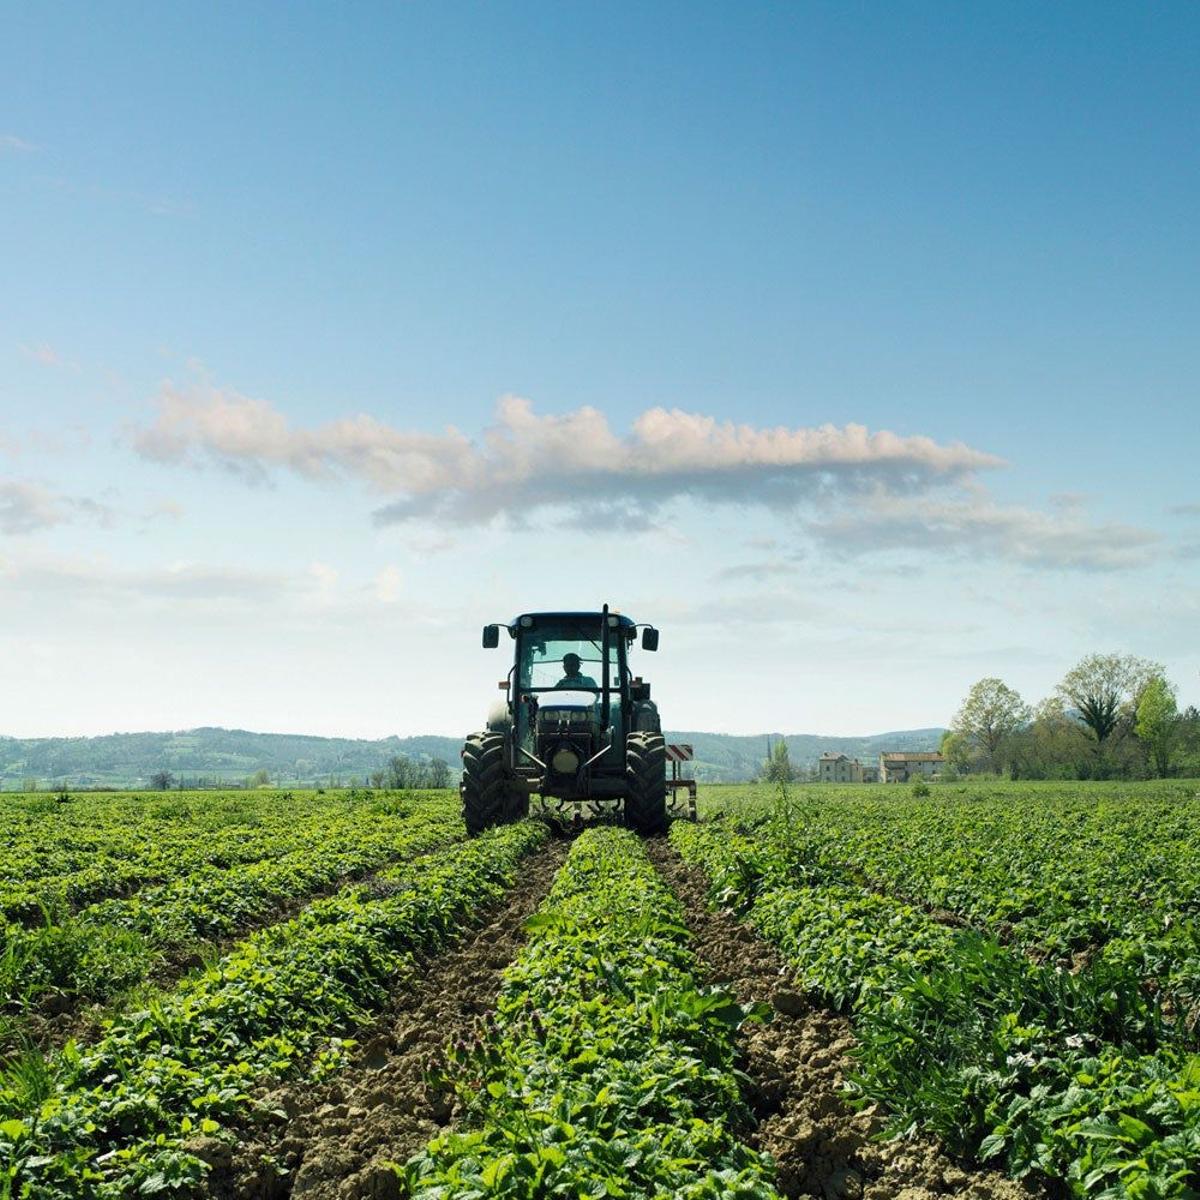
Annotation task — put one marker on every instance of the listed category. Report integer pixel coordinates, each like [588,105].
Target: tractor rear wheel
[489,795]
[646,782]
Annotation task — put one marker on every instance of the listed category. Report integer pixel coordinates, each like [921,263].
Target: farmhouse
[899,766]
[839,768]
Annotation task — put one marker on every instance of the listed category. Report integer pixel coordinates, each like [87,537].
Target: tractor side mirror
[649,639]
[491,637]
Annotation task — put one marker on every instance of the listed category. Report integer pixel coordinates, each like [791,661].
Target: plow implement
[680,806]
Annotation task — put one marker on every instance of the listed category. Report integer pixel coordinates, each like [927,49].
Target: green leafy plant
[606,1069]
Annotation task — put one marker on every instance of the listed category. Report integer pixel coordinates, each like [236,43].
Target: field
[992,991]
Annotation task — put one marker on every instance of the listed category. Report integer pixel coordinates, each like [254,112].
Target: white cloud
[29,507]
[84,581]
[977,526]
[10,142]
[526,463]
[758,572]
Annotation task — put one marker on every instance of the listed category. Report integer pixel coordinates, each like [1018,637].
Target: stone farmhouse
[895,766]
[839,768]
[900,766]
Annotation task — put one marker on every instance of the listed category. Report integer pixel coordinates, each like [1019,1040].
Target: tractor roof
[627,622]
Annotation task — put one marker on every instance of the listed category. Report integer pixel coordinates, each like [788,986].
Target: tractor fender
[499,719]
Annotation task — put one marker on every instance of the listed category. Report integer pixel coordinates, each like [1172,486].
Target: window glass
[566,655]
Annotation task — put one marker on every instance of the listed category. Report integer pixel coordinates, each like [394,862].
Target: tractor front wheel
[489,795]
[646,782]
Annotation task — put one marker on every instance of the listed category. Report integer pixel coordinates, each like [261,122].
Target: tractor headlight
[565,761]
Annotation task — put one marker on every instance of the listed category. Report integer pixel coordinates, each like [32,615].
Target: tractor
[575,727]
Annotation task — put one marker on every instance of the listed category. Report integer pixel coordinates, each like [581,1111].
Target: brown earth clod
[798,1063]
[333,1141]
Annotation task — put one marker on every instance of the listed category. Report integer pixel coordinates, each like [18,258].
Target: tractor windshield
[566,654]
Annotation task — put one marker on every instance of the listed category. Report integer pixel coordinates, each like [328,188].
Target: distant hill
[230,755]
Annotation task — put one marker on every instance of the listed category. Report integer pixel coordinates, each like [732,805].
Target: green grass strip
[114,1119]
[1032,1069]
[606,1070]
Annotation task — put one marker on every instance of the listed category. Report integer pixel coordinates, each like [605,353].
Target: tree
[778,767]
[260,778]
[1103,690]
[161,781]
[439,773]
[991,713]
[1052,746]
[400,772]
[1157,722]
[1189,741]
[956,748]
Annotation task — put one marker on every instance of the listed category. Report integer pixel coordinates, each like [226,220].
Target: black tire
[646,783]
[489,796]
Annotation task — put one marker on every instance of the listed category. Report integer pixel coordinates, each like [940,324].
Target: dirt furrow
[333,1140]
[798,1063]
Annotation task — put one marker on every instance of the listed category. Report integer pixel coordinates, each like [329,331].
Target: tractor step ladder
[676,755]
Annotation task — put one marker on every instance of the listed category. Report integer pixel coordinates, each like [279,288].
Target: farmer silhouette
[572,678]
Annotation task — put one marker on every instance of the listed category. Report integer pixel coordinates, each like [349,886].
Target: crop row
[1068,878]
[606,1071]
[109,947]
[120,1117]
[60,856]
[1069,1077]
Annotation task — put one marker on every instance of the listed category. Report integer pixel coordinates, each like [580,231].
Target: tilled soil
[337,1137]
[798,1062]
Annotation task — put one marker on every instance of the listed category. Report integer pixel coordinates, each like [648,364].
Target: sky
[856,347]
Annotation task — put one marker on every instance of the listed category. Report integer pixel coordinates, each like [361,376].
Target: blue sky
[255,262]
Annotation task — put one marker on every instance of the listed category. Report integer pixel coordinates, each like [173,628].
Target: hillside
[129,759]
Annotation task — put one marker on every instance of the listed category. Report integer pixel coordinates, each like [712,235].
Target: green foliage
[1074,1075]
[607,1070]
[115,1118]
[1103,690]
[991,714]
[778,767]
[1157,722]
[112,945]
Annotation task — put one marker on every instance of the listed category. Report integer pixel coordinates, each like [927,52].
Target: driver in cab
[572,678]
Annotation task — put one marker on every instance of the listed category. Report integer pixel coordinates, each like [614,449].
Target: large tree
[1157,722]
[991,713]
[1103,690]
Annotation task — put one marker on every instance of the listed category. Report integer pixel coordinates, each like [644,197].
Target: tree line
[1112,716]
[398,772]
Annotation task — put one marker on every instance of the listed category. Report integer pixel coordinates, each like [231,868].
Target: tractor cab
[571,681]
